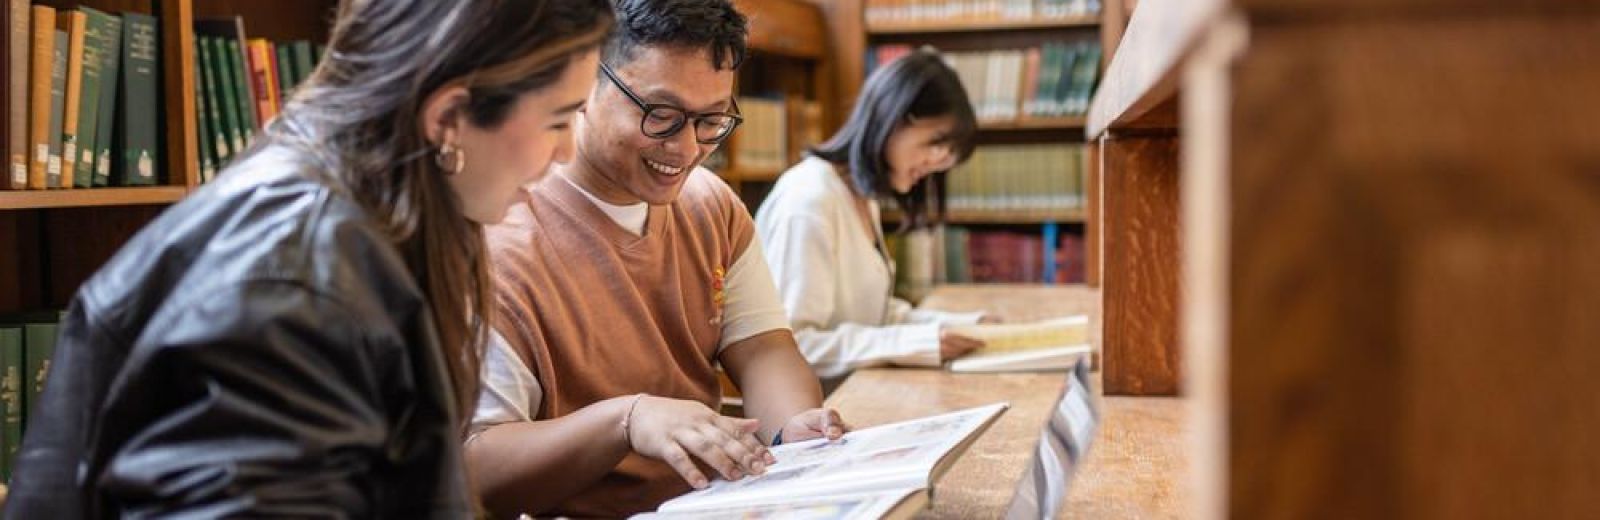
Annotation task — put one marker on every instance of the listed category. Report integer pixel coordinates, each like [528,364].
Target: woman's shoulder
[267,219]
[812,185]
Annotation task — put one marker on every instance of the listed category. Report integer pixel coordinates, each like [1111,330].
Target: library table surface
[1136,467]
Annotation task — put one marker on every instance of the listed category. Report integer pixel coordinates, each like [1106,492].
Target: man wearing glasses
[628,276]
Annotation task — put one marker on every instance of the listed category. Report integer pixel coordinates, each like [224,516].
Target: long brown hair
[359,117]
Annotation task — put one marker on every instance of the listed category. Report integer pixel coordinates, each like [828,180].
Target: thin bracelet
[629,416]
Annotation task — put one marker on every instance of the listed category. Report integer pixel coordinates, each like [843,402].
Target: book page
[838,507]
[891,456]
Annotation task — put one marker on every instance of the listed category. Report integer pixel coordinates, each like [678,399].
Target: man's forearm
[776,381]
[530,467]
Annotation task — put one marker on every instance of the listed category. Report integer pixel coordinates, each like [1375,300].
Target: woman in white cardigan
[819,225]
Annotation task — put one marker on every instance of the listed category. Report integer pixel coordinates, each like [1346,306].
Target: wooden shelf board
[79,198]
[960,25]
[1004,217]
[1145,69]
[1036,123]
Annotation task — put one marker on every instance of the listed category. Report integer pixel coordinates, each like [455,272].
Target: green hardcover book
[1063,91]
[137,157]
[202,115]
[305,60]
[89,95]
[110,74]
[11,384]
[287,78]
[227,100]
[39,345]
[1084,71]
[10,341]
[239,75]
[58,98]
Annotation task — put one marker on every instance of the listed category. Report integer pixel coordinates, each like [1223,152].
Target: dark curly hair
[711,24]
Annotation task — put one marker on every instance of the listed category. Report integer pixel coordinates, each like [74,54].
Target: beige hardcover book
[16,175]
[76,23]
[44,33]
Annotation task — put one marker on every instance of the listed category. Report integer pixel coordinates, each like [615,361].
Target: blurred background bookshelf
[1022,210]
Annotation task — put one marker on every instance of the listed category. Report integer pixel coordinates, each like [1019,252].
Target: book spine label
[138,159]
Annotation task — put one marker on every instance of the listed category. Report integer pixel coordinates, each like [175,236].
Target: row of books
[775,132]
[1054,79]
[240,84]
[27,342]
[1023,177]
[82,98]
[879,12]
[937,255]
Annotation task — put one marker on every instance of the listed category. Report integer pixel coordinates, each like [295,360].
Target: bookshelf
[860,28]
[1040,23]
[61,236]
[786,90]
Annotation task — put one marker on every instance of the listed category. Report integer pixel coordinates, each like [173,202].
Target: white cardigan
[835,281]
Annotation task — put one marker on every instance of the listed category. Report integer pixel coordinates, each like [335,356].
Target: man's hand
[814,423]
[678,431]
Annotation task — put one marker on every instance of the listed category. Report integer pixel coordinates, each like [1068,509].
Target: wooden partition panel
[1140,277]
[1415,276]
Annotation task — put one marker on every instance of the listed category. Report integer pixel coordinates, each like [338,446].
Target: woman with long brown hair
[301,338]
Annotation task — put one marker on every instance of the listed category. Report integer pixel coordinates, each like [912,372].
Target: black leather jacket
[260,349]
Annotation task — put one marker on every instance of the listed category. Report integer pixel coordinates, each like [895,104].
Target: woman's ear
[443,112]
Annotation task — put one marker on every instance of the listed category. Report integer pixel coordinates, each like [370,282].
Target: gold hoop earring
[450,158]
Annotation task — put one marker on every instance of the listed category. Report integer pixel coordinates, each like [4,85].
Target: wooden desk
[1136,467]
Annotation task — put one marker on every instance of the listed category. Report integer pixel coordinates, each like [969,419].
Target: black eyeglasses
[661,121]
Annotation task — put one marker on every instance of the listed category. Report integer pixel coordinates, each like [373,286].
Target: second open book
[1054,344]
[879,472]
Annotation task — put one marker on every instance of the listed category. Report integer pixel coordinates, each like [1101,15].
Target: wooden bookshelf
[1073,215]
[92,197]
[1379,302]
[981,25]
[61,237]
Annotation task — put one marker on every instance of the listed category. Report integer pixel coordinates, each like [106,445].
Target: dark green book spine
[10,341]
[286,76]
[39,345]
[202,115]
[232,120]
[137,160]
[89,97]
[239,75]
[110,76]
[58,106]
[305,60]
[11,394]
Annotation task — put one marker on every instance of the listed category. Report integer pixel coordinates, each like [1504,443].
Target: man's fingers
[707,449]
[680,462]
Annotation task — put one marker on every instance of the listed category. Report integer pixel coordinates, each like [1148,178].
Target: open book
[1054,344]
[879,472]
